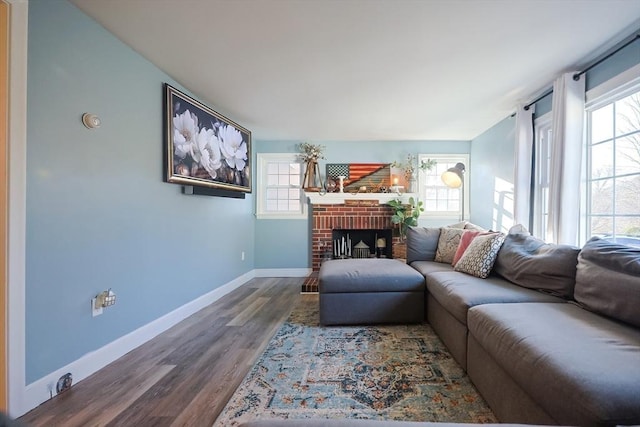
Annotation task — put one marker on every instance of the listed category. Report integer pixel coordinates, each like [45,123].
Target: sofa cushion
[368,275]
[581,368]
[532,263]
[422,243]
[428,267]
[447,244]
[481,254]
[608,280]
[457,292]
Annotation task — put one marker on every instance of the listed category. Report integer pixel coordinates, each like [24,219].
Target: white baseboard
[282,272]
[41,390]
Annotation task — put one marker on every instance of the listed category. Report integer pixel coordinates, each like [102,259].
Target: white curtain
[524,151]
[566,159]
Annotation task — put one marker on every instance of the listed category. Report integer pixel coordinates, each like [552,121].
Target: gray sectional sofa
[552,336]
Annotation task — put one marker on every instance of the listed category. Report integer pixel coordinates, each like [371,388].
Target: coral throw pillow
[465,240]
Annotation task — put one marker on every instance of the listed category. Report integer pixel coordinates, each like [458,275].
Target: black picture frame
[203,148]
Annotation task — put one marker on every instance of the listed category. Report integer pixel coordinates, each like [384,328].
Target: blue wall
[491,186]
[292,247]
[98,214]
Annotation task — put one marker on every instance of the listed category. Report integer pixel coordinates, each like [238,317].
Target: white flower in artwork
[206,151]
[233,148]
[185,128]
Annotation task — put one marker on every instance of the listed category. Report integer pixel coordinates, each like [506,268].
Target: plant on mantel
[405,214]
[310,153]
[411,164]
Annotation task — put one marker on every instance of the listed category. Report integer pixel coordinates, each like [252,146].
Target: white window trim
[261,182]
[624,83]
[614,89]
[464,157]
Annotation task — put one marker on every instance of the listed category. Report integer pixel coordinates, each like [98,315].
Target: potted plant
[405,214]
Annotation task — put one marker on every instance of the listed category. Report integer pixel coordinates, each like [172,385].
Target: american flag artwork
[357,175]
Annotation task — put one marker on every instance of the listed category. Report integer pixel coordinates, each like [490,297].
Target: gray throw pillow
[422,243]
[608,280]
[531,263]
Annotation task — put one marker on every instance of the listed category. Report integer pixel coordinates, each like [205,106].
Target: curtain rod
[576,76]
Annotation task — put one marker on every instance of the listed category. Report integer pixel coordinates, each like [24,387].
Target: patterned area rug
[400,372]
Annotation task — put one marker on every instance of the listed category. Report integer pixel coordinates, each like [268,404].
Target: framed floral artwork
[202,147]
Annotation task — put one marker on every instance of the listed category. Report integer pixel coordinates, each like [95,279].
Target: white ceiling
[322,70]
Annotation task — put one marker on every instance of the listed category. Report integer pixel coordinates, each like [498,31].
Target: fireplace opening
[362,243]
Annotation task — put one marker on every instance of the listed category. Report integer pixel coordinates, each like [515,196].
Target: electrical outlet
[95,311]
[242,256]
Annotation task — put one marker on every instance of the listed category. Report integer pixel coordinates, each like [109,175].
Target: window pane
[272,168]
[601,226]
[272,180]
[294,205]
[602,160]
[294,180]
[283,168]
[602,124]
[628,114]
[442,205]
[430,205]
[272,205]
[454,205]
[628,155]
[283,205]
[283,180]
[602,197]
[628,226]
[294,194]
[272,194]
[627,200]
[294,168]
[283,193]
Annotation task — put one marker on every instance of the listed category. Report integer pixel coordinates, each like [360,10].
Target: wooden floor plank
[247,313]
[184,376]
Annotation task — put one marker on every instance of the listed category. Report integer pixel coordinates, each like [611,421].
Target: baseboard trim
[43,389]
[282,272]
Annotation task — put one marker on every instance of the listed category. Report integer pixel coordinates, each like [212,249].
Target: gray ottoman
[370,291]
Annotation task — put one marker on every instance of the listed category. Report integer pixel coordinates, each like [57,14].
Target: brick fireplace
[348,214]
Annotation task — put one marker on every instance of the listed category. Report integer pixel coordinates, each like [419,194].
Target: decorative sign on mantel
[361,202]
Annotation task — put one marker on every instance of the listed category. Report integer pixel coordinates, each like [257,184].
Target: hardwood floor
[184,376]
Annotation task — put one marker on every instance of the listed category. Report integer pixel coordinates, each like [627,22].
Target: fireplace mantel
[339,198]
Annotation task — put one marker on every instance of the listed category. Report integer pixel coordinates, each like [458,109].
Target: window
[439,200]
[542,130]
[279,182]
[613,168]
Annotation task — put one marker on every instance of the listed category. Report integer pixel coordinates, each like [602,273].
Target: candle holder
[341,184]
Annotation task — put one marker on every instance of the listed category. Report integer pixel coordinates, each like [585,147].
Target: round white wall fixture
[91,121]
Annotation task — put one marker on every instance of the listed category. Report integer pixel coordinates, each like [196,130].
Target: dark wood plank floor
[184,376]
